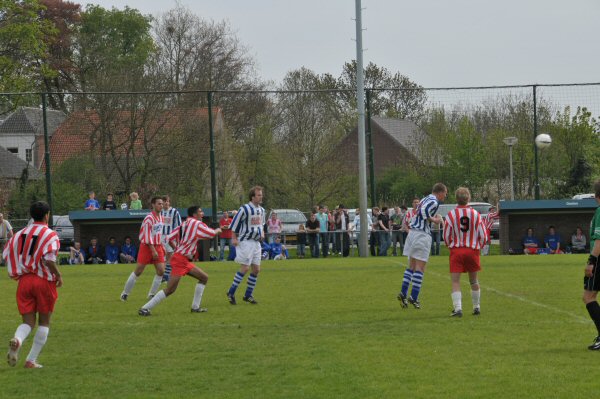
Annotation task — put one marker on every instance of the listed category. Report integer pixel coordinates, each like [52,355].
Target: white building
[22,133]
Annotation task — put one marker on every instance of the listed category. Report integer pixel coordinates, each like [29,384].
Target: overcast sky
[436,43]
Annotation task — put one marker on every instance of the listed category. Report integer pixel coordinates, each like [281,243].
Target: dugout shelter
[566,215]
[120,223]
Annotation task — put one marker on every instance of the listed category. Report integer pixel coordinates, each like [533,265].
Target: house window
[14,150]
[28,155]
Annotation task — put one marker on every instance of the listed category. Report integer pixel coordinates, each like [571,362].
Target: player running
[30,256]
[171,220]
[185,239]
[465,233]
[418,244]
[151,250]
[247,227]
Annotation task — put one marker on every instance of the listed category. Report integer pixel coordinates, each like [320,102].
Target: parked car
[290,219]
[63,227]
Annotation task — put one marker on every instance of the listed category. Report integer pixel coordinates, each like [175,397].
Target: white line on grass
[509,295]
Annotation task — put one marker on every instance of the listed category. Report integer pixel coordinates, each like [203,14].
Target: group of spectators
[552,243]
[109,204]
[111,253]
[329,231]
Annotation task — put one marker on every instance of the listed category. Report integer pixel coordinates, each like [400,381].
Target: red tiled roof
[76,135]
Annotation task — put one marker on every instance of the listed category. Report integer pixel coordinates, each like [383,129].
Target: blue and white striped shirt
[249,222]
[172,220]
[427,208]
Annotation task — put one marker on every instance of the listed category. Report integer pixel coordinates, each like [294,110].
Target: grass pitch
[324,328]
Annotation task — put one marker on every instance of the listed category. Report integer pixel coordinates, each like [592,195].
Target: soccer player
[247,227]
[591,281]
[30,256]
[418,244]
[465,233]
[185,238]
[488,221]
[171,220]
[151,249]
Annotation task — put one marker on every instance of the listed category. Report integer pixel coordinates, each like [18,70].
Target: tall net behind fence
[301,146]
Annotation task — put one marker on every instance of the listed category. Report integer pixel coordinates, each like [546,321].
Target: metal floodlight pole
[510,142]
[47,158]
[362,155]
[213,173]
[535,149]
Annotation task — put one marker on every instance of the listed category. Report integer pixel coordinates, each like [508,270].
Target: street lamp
[510,142]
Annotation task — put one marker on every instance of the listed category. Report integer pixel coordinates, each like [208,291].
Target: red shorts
[180,265]
[463,260]
[145,254]
[529,250]
[35,294]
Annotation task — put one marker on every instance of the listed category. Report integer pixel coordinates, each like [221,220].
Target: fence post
[213,174]
[47,159]
[371,151]
[535,149]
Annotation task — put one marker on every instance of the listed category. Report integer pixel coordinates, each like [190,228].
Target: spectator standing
[128,251]
[356,228]
[323,218]
[313,228]
[331,228]
[109,204]
[92,203]
[94,252]
[136,203]
[76,254]
[383,221]
[300,241]
[225,236]
[112,251]
[343,224]
[274,227]
[6,233]
[396,223]
[578,242]
[374,240]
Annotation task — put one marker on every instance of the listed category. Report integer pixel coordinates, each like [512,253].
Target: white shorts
[418,245]
[248,252]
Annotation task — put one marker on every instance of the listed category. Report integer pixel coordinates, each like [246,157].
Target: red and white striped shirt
[151,230]
[188,234]
[27,250]
[408,215]
[488,220]
[464,228]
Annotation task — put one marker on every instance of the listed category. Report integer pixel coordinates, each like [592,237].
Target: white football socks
[39,341]
[475,296]
[457,300]
[130,283]
[156,299]
[198,295]
[22,332]
[155,284]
